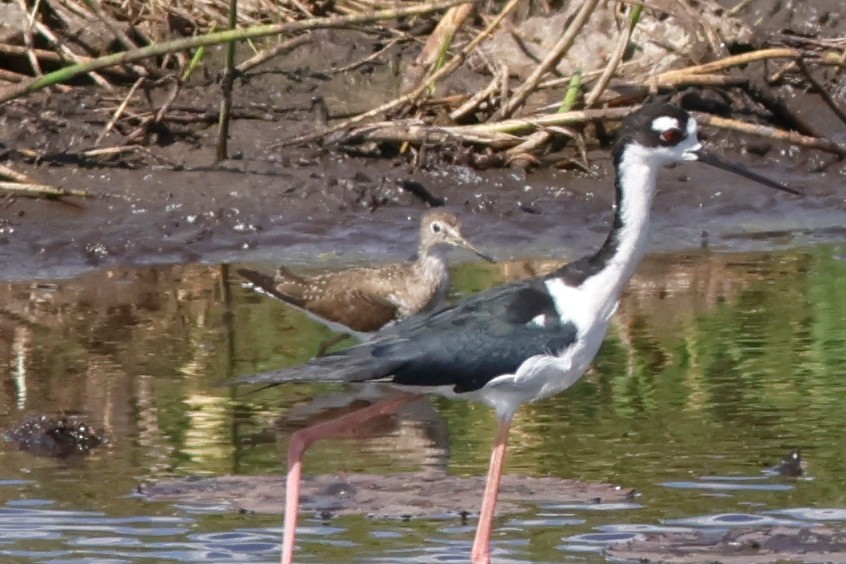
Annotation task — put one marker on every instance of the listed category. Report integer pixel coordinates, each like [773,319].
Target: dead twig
[436,46]
[616,57]
[187,43]
[558,51]
[764,95]
[773,133]
[12,77]
[52,57]
[226,87]
[40,190]
[732,61]
[739,7]
[45,32]
[119,112]
[535,142]
[6,172]
[453,64]
[500,135]
[117,32]
[123,149]
[371,57]
[143,130]
[263,56]
[27,35]
[474,101]
[821,90]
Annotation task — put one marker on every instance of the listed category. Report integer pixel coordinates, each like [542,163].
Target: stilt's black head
[663,134]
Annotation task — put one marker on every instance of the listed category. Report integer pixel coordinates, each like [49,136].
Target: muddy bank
[168,204]
[336,209]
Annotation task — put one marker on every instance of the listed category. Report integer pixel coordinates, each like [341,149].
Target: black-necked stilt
[521,342]
[362,300]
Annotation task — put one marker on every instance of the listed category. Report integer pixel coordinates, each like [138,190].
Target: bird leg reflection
[300,442]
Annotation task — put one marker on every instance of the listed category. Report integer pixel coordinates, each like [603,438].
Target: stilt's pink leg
[482,543]
[303,439]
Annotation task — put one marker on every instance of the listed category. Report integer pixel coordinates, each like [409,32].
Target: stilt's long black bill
[711,159]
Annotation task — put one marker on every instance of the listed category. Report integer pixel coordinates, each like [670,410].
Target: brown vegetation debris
[503,78]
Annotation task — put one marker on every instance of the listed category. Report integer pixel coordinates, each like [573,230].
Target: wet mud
[419,494]
[741,546]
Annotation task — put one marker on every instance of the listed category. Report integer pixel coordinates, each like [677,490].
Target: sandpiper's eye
[671,136]
[436,227]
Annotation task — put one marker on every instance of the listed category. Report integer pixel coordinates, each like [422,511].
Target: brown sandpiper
[361,300]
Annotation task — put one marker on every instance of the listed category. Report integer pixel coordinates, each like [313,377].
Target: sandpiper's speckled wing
[463,346]
[357,309]
[334,297]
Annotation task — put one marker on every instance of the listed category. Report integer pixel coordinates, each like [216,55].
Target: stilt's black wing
[464,345]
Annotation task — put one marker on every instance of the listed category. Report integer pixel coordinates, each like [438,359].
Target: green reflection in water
[717,365]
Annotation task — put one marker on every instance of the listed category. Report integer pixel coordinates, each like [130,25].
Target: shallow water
[717,365]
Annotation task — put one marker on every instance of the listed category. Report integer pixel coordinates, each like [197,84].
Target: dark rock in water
[44,435]
[791,465]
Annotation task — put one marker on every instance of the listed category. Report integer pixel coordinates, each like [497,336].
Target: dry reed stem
[123,149]
[114,29]
[700,80]
[453,64]
[143,129]
[301,8]
[673,83]
[49,56]
[6,172]
[532,143]
[501,134]
[263,56]
[559,50]
[216,38]
[442,36]
[739,8]
[27,35]
[505,134]
[732,61]
[435,48]
[371,57]
[47,34]
[227,86]
[119,112]
[12,77]
[821,90]
[827,59]
[474,101]
[40,190]
[773,133]
[119,35]
[616,56]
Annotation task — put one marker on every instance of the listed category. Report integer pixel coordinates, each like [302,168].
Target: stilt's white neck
[636,179]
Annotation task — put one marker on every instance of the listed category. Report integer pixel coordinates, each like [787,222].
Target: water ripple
[813,514]
[734,520]
[727,486]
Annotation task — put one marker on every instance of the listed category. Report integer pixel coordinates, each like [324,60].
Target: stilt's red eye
[671,136]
